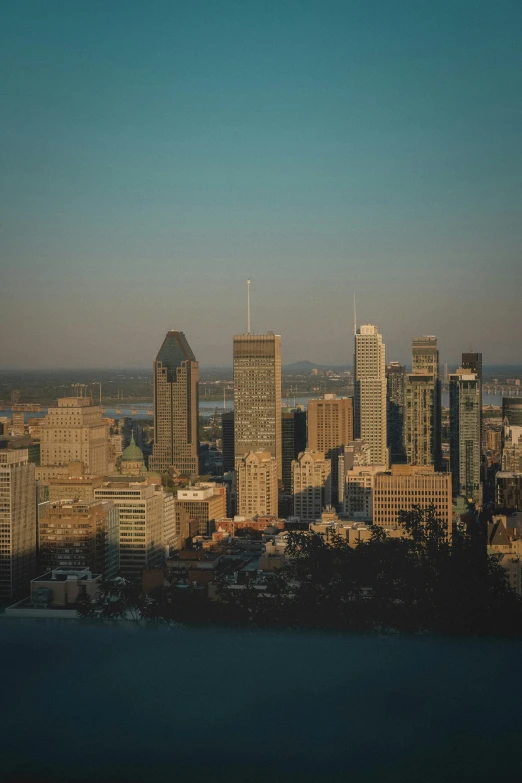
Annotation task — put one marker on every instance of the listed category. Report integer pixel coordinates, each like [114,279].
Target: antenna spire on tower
[354,316]
[248,306]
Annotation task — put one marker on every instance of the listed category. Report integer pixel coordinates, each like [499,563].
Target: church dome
[132,453]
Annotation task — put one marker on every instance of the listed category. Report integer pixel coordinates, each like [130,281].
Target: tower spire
[354,316]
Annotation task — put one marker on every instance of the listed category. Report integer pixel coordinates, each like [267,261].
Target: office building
[257,484]
[79,535]
[227,441]
[370,392]
[17,522]
[73,431]
[425,356]
[311,484]
[293,433]
[205,502]
[406,486]
[395,387]
[330,427]
[257,396]
[142,524]
[175,388]
[465,435]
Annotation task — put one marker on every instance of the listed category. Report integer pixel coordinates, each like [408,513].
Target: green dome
[132,453]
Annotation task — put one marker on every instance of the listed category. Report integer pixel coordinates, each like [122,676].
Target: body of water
[143,410]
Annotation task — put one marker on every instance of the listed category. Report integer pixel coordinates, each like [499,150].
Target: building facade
[293,433]
[330,427]
[175,381]
[73,431]
[142,525]
[81,534]
[227,441]
[257,396]
[359,484]
[17,522]
[205,502]
[311,484]
[395,388]
[257,484]
[465,435]
[406,486]
[420,420]
[370,392]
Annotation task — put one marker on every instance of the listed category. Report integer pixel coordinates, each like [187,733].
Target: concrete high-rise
[17,522]
[395,387]
[311,485]
[73,431]
[257,396]
[465,435]
[175,380]
[370,392]
[257,484]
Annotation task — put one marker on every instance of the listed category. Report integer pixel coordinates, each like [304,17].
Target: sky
[154,155]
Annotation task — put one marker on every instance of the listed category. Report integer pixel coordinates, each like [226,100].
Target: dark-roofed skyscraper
[175,379]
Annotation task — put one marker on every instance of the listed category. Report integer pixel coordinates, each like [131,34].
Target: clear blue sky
[155,154]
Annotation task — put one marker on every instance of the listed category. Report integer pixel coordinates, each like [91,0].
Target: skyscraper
[420,420]
[395,386]
[423,411]
[17,522]
[465,434]
[473,363]
[330,427]
[257,396]
[370,392]
[175,379]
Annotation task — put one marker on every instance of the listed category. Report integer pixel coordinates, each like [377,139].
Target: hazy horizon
[156,157]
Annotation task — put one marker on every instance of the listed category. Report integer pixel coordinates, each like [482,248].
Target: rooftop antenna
[354,316]
[248,306]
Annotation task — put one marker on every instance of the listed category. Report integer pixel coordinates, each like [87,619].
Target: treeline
[413,584]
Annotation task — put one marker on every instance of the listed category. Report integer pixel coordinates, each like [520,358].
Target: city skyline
[168,154]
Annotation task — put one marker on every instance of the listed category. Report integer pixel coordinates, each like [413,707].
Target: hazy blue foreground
[126,704]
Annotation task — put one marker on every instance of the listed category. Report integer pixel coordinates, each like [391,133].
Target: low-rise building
[56,594]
